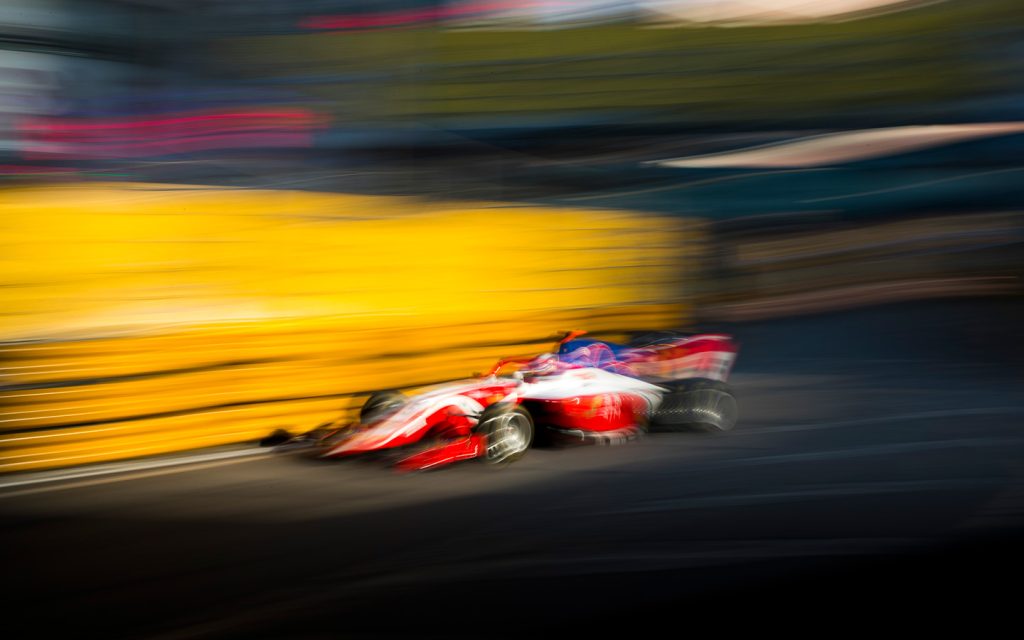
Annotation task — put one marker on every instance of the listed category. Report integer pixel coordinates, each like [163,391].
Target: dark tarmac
[875,482]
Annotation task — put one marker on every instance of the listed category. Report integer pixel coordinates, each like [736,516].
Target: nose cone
[357,443]
[385,434]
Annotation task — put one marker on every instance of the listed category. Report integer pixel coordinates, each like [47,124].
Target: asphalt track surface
[875,482]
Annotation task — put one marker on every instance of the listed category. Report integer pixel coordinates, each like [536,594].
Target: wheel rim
[507,436]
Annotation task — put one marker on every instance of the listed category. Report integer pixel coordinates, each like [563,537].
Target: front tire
[508,432]
[380,404]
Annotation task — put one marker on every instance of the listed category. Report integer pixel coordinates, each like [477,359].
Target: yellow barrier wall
[144,319]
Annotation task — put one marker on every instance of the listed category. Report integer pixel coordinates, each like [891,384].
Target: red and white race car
[587,390]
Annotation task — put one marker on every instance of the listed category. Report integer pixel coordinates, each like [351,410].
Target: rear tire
[708,405]
[508,433]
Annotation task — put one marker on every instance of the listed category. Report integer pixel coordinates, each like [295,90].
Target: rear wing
[708,356]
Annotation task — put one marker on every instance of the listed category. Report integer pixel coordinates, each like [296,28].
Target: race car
[585,391]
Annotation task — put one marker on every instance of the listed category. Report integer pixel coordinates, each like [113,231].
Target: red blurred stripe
[410,16]
[133,137]
[297,117]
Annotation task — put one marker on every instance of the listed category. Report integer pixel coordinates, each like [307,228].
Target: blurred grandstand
[586,103]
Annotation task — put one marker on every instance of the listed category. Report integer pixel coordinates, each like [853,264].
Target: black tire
[508,431]
[708,405]
[380,404]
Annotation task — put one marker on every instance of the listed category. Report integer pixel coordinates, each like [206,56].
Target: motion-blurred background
[245,205]
[223,217]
